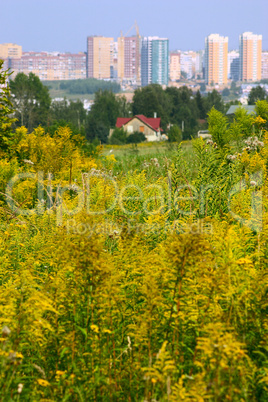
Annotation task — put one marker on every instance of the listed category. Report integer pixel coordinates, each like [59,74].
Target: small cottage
[149,126]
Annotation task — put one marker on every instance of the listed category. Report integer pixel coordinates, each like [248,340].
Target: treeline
[89,86]
[176,106]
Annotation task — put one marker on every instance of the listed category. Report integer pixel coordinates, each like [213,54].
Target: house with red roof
[149,126]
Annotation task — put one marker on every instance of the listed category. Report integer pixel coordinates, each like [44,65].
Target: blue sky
[63,25]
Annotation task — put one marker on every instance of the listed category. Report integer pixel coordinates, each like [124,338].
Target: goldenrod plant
[137,277]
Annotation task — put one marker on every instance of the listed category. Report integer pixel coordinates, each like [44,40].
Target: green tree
[6,110]
[214,99]
[226,92]
[103,114]
[118,137]
[32,100]
[201,105]
[218,127]
[150,100]
[257,93]
[184,111]
[174,134]
[88,86]
[68,113]
[125,108]
[241,126]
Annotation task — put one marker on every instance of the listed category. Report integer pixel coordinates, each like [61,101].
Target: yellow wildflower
[42,382]
[59,372]
[94,328]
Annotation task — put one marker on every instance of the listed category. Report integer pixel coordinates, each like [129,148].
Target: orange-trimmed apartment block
[99,57]
[250,51]
[174,66]
[216,59]
[129,58]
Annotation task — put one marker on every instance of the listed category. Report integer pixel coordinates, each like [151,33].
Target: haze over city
[64,25]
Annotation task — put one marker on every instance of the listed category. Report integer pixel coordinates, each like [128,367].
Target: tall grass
[161,298]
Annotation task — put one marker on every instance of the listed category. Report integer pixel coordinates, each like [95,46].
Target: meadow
[136,273]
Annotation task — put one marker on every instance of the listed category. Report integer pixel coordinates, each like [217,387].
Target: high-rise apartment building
[154,61]
[187,63]
[10,50]
[100,57]
[264,65]
[233,65]
[128,63]
[216,59]
[250,49]
[115,61]
[234,70]
[199,61]
[174,66]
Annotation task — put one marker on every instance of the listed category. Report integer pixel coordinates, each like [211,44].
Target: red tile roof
[154,123]
[121,121]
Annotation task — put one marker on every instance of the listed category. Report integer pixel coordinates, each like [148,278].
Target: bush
[175,134]
[136,138]
[119,137]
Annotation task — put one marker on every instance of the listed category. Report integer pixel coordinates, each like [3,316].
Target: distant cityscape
[137,61]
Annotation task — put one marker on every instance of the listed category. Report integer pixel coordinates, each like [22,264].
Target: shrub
[118,137]
[175,134]
[136,138]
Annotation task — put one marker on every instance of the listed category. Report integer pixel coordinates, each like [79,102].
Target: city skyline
[149,62]
[64,25]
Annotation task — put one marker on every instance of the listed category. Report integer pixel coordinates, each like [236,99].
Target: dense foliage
[121,137]
[65,113]
[89,86]
[104,112]
[6,109]
[136,278]
[257,93]
[32,100]
[175,106]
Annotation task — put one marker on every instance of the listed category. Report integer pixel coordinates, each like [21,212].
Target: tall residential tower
[100,57]
[250,46]
[216,59]
[264,65]
[129,58]
[154,61]
[174,66]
